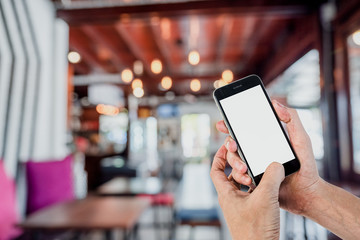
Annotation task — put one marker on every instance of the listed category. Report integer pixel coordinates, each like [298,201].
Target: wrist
[313,197]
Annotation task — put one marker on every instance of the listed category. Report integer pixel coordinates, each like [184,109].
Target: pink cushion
[49,182]
[8,211]
[160,199]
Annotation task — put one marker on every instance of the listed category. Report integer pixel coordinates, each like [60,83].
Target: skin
[304,192]
[263,221]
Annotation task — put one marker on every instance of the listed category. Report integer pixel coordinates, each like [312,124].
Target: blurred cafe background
[107,122]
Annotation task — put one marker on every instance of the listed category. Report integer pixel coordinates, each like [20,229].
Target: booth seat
[49,182]
[8,209]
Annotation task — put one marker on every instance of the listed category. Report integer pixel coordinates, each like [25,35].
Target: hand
[253,215]
[297,190]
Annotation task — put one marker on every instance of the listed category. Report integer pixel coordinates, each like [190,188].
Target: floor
[196,191]
[292,228]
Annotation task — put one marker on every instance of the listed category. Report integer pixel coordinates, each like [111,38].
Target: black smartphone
[255,127]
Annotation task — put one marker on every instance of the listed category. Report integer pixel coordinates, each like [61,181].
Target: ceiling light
[107,109]
[74,57]
[138,92]
[166,82]
[194,57]
[137,83]
[195,85]
[222,83]
[127,75]
[356,37]
[219,83]
[156,66]
[138,67]
[227,76]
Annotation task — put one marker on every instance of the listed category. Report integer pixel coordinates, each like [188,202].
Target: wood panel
[282,9]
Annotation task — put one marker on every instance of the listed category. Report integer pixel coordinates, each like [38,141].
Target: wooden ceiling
[234,35]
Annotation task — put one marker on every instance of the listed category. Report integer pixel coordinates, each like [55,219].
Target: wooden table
[121,186]
[89,214]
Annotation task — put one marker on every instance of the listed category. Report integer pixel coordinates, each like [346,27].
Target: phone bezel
[239,86]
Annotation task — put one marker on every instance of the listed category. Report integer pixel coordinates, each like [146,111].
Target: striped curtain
[33,83]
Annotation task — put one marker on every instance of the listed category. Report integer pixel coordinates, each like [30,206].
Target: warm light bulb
[156,66]
[137,83]
[127,75]
[356,37]
[222,83]
[166,82]
[194,57]
[74,57]
[195,85]
[138,92]
[227,76]
[219,83]
[107,109]
[138,67]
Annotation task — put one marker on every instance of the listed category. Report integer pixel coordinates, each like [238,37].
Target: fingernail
[227,145]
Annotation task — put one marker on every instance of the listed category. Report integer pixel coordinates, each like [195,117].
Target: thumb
[297,133]
[272,179]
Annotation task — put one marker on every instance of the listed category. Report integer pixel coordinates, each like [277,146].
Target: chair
[8,211]
[199,217]
[49,182]
[162,200]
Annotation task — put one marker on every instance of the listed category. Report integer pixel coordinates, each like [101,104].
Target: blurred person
[255,215]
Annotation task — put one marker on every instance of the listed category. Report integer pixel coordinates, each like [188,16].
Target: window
[195,135]
[113,132]
[299,87]
[353,43]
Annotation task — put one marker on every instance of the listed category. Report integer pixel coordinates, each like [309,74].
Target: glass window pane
[354,65]
[299,87]
[195,135]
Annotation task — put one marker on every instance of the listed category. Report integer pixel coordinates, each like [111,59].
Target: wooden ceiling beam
[261,29]
[95,33]
[294,46]
[224,37]
[135,35]
[268,46]
[285,9]
[164,32]
[211,30]
[79,44]
[81,68]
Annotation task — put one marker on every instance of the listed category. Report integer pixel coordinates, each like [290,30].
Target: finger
[217,173]
[230,144]
[221,127]
[235,162]
[272,179]
[240,177]
[297,133]
[231,179]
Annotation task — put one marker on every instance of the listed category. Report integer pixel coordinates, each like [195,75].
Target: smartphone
[255,127]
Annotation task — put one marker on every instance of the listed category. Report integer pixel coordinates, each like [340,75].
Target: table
[89,214]
[121,186]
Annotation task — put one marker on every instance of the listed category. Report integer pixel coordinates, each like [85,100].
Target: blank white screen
[256,129]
